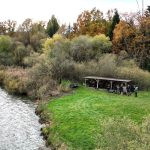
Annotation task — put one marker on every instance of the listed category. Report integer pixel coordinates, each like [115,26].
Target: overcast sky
[65,10]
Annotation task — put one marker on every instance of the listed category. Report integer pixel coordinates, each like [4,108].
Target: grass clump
[124,134]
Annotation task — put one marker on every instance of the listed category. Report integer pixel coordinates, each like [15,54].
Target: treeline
[112,46]
[127,32]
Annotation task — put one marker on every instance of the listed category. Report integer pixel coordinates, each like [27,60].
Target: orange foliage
[90,23]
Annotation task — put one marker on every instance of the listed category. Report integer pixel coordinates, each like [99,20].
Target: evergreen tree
[115,21]
[147,12]
[68,31]
[52,26]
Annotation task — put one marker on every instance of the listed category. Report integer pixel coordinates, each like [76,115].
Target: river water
[19,126]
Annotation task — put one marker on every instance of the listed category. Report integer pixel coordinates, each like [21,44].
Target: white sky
[66,11]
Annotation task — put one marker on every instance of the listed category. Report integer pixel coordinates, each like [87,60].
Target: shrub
[65,86]
[31,60]
[14,86]
[19,53]
[81,49]
[40,84]
[101,44]
[6,53]
[85,48]
[105,67]
[15,80]
[49,43]
[137,75]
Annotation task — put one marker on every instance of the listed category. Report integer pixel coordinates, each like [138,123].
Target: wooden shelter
[102,82]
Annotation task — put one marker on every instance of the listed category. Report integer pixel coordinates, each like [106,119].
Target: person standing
[129,90]
[136,91]
[121,89]
[124,89]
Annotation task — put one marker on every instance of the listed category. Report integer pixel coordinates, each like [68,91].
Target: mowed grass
[77,118]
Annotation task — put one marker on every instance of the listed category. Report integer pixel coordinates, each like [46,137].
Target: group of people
[124,89]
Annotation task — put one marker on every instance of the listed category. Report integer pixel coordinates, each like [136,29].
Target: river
[19,126]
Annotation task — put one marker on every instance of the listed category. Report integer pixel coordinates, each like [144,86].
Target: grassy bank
[90,119]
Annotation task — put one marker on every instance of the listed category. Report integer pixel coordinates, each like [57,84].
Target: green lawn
[77,118]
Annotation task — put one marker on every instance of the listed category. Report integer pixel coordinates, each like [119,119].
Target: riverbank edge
[17,92]
[44,117]
[46,124]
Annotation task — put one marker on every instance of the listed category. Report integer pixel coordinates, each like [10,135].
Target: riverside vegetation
[36,61]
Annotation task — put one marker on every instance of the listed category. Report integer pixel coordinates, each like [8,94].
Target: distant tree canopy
[31,34]
[52,26]
[8,27]
[135,40]
[92,35]
[91,23]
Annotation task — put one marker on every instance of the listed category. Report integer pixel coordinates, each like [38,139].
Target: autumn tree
[123,36]
[142,43]
[90,23]
[135,40]
[52,26]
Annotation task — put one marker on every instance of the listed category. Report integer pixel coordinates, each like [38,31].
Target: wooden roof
[107,79]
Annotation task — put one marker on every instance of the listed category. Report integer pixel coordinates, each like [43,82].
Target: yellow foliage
[101,37]
[49,43]
[123,30]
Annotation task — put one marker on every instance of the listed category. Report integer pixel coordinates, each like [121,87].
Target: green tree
[52,26]
[115,21]
[5,50]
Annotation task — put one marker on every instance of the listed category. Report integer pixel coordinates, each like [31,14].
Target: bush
[6,53]
[40,84]
[15,80]
[137,75]
[19,53]
[14,86]
[49,43]
[31,60]
[85,48]
[81,49]
[65,86]
[101,44]
[106,66]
